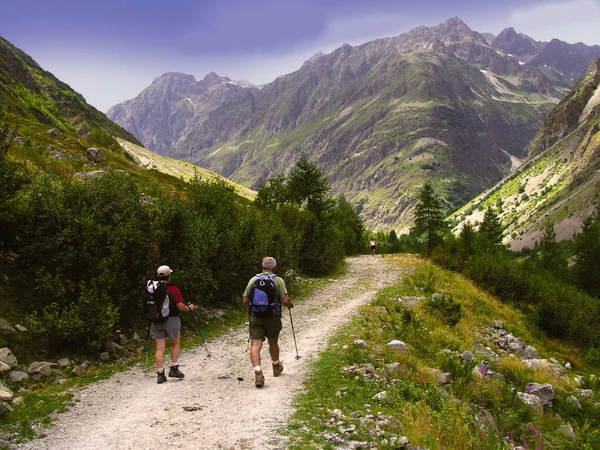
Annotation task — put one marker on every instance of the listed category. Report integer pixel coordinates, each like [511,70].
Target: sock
[161,370]
[275,362]
[257,369]
[174,365]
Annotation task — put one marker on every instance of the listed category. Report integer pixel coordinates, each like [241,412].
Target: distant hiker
[263,297]
[169,327]
[373,244]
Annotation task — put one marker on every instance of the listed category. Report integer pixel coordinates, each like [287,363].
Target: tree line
[77,253]
[556,284]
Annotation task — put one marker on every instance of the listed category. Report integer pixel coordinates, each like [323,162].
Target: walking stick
[294,333]
[200,331]
[240,378]
[147,344]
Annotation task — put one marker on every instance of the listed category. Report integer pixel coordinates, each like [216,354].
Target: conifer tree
[429,219]
[551,258]
[490,228]
[587,252]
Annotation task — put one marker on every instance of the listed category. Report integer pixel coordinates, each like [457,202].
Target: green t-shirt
[280,288]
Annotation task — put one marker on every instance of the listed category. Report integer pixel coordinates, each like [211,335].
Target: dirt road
[131,411]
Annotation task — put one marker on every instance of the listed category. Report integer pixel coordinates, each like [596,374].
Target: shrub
[445,307]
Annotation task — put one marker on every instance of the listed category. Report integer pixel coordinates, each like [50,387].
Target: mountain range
[439,104]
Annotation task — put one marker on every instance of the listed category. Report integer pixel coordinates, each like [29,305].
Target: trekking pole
[200,331]
[294,333]
[240,378]
[147,344]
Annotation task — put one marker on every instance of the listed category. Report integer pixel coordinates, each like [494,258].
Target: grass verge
[431,396]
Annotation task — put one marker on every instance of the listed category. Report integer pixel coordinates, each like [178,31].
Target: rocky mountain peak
[455,30]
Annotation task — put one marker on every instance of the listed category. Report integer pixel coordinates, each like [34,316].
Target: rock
[568,366]
[393,367]
[6,328]
[5,393]
[7,357]
[95,154]
[486,352]
[498,324]
[4,367]
[361,343]
[17,377]
[113,347]
[135,336]
[345,347]
[337,413]
[529,352]
[54,132]
[567,430]
[91,175]
[531,400]
[468,355]
[544,364]
[585,392]
[398,346]
[441,377]
[40,367]
[574,401]
[105,357]
[381,396]
[77,371]
[123,339]
[544,391]
[20,328]
[63,363]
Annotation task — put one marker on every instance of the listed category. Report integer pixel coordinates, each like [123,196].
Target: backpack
[156,301]
[263,298]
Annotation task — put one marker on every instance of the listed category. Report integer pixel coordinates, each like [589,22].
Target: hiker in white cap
[169,328]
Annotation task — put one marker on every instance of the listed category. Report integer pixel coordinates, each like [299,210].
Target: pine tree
[490,228]
[587,252]
[429,219]
[550,256]
[308,188]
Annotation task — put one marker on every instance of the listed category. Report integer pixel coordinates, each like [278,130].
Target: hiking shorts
[170,328]
[265,327]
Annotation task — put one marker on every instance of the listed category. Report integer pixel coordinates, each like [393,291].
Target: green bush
[445,307]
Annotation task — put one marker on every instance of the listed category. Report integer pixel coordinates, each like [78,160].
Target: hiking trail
[131,411]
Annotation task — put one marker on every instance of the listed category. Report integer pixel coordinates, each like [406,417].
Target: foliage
[429,219]
[470,412]
[445,307]
[491,229]
[587,250]
[323,229]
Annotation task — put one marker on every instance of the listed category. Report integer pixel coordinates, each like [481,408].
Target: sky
[110,50]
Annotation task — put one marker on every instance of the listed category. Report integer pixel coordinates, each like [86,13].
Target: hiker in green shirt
[265,318]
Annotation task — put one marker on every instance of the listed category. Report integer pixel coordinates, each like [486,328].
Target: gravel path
[210,409]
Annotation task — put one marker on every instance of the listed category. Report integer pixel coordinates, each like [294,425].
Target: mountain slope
[436,104]
[56,127]
[172,104]
[561,182]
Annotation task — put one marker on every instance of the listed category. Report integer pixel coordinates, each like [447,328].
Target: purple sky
[110,50]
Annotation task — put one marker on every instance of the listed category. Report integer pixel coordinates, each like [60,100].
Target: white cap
[164,271]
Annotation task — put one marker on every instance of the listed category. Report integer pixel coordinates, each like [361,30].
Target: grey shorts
[168,329]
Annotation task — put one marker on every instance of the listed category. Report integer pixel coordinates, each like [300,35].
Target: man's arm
[246,303]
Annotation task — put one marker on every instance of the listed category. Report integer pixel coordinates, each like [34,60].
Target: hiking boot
[161,377]
[175,372]
[259,379]
[277,369]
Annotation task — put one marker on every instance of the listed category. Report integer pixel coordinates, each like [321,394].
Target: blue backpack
[263,297]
